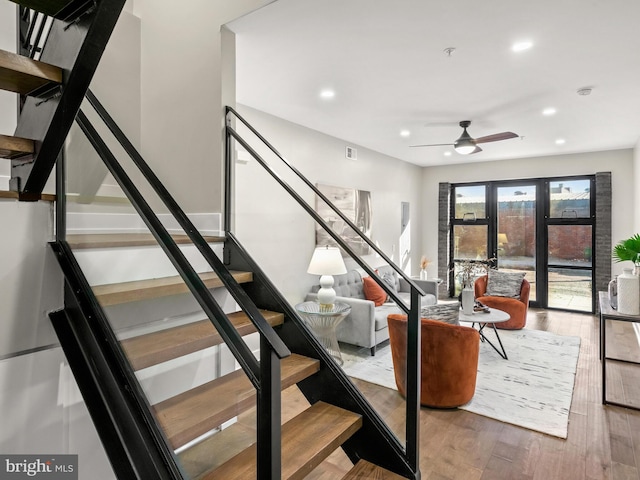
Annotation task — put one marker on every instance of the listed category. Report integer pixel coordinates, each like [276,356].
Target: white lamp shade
[327,261]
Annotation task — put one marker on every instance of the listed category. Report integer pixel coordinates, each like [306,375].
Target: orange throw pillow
[373,291]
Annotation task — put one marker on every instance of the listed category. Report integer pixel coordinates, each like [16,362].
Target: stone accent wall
[603,246]
[444,190]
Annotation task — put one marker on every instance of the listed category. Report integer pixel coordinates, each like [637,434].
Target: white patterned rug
[532,389]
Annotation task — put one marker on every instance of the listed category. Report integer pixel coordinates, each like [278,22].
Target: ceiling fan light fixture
[464,146]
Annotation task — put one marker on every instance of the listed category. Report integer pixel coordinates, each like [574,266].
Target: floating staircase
[192,415]
[164,439]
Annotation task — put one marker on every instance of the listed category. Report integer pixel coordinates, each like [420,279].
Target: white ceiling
[384,59]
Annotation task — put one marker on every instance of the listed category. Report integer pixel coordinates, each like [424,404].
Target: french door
[542,227]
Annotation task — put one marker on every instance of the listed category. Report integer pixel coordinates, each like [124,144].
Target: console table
[608,313]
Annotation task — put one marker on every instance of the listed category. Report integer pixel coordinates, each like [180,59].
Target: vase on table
[467,299]
[423,274]
[628,292]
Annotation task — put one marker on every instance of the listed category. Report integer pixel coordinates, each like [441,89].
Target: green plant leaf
[627,250]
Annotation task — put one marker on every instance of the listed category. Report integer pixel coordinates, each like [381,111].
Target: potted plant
[628,250]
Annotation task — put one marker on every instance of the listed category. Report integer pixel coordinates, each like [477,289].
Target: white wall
[636,183]
[183,94]
[279,234]
[8,100]
[618,162]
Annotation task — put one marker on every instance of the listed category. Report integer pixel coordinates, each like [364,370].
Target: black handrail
[232,285]
[413,310]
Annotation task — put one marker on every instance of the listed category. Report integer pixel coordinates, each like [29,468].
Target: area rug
[532,389]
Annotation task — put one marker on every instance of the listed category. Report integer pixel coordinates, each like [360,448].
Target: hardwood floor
[603,441]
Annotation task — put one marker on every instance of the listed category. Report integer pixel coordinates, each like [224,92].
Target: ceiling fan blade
[496,137]
[478,149]
[434,145]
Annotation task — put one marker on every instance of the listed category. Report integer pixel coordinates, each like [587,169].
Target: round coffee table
[324,321]
[483,319]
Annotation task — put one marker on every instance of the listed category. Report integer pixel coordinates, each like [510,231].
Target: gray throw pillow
[390,280]
[443,312]
[504,284]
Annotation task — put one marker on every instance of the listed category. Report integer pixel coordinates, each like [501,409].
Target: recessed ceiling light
[561,141]
[327,93]
[447,154]
[549,111]
[405,133]
[521,46]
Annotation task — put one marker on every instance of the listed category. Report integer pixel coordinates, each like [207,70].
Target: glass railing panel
[178,356]
[290,234]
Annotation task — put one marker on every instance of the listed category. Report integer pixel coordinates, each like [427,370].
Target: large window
[542,227]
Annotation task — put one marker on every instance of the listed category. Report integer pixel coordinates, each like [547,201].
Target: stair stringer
[374,442]
[76,47]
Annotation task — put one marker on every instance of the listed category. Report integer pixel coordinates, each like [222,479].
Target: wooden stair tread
[47,197]
[199,410]
[307,440]
[23,75]
[13,147]
[157,347]
[364,470]
[112,240]
[116,293]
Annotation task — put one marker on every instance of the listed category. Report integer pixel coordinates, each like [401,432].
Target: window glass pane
[516,242]
[570,289]
[570,245]
[470,202]
[570,199]
[470,242]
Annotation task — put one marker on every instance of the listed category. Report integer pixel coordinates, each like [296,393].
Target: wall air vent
[351,153]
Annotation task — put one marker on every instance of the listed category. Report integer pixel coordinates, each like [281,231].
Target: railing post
[228,157]
[61,197]
[269,451]
[413,382]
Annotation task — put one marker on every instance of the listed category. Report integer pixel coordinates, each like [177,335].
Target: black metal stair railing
[264,375]
[412,310]
[75,42]
[33,28]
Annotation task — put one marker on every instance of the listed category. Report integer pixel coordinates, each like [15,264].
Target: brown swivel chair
[449,361]
[516,308]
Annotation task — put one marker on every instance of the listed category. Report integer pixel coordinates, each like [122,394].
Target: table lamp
[502,239]
[326,261]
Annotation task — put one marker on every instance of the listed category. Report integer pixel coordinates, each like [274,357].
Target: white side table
[323,322]
[482,319]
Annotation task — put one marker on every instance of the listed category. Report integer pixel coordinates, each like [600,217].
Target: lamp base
[326,294]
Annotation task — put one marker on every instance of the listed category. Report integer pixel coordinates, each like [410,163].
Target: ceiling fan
[466,145]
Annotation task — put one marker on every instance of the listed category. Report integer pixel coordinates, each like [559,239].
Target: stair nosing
[125,292]
[119,240]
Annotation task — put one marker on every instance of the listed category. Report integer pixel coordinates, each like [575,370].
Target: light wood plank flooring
[603,441]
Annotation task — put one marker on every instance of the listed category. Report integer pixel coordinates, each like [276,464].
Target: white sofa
[366,325]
